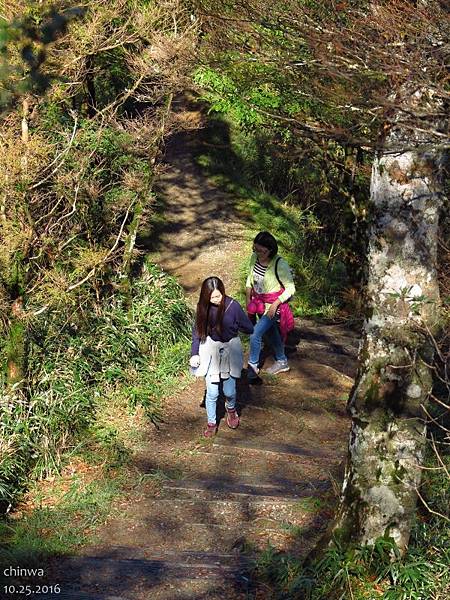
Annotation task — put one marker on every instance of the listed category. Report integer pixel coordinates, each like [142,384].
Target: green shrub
[136,350]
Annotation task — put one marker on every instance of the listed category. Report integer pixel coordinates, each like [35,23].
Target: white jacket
[220,359]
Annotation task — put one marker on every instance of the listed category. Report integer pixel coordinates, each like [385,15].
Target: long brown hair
[203,307]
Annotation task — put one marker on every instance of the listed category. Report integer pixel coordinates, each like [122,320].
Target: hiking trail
[202,507]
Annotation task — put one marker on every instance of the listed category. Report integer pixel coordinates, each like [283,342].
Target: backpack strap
[276,271]
[228,306]
[276,274]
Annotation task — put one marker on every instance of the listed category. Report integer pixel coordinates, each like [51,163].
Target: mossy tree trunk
[130,241]
[388,432]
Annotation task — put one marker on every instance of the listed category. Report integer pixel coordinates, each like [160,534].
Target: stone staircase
[218,503]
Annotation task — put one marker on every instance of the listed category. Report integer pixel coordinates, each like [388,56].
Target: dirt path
[204,507]
[203,235]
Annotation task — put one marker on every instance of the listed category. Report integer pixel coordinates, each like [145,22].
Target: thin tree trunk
[125,271]
[387,439]
[16,347]
[16,343]
[90,85]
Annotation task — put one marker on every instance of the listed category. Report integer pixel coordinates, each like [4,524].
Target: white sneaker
[279,366]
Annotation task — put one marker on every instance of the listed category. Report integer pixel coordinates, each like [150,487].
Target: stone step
[246,488]
[190,518]
[116,576]
[123,552]
[244,453]
[172,532]
[274,448]
[203,463]
[178,589]
[301,423]
[340,369]
[258,414]
[345,346]
[139,555]
[240,512]
[335,333]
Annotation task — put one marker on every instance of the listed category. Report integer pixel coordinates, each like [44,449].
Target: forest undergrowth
[95,380]
[92,334]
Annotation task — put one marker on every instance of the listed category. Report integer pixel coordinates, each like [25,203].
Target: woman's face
[216,297]
[261,251]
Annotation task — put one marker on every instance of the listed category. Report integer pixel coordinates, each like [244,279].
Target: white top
[220,359]
[259,271]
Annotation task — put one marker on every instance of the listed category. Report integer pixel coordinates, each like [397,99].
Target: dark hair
[202,316]
[266,239]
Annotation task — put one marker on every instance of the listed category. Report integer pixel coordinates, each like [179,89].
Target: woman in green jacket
[268,288]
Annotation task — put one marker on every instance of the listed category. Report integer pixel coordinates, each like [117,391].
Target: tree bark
[16,347]
[90,85]
[388,432]
[16,342]
[125,270]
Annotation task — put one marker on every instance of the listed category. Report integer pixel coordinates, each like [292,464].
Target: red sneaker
[232,418]
[210,430]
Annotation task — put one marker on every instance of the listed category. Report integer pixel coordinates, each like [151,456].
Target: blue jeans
[212,393]
[264,326]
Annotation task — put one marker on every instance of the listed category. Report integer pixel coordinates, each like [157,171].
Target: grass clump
[372,572]
[79,362]
[59,515]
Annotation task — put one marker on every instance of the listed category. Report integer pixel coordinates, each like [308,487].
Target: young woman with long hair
[216,351]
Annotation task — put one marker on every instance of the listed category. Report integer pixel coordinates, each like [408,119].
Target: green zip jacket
[270,282]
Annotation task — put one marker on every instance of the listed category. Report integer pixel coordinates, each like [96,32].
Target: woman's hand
[194,361]
[273,309]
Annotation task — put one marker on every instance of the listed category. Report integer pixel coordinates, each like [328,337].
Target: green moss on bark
[16,352]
